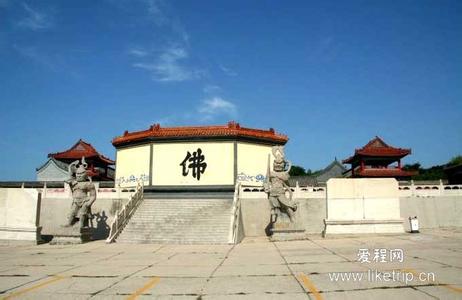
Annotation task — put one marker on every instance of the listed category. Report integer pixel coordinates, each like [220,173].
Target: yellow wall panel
[167,166]
[132,165]
[252,162]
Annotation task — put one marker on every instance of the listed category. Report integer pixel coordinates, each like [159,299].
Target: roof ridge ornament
[155,127]
[234,125]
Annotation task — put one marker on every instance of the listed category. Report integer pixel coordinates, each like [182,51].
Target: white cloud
[138,52]
[214,106]
[34,19]
[156,11]
[211,89]
[168,67]
[228,71]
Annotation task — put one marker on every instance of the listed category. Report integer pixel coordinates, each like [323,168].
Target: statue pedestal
[71,235]
[284,230]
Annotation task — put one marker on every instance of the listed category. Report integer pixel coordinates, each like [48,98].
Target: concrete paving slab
[318,268]
[178,271]
[141,262]
[38,295]
[408,263]
[102,270]
[378,294]
[76,285]
[252,270]
[318,258]
[301,252]
[193,259]
[196,248]
[250,285]
[446,275]
[9,283]
[303,244]
[131,248]
[35,271]
[443,292]
[259,296]
[329,283]
[254,259]
[165,286]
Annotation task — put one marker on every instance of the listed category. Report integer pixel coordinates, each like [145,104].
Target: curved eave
[385,173]
[358,156]
[78,156]
[127,140]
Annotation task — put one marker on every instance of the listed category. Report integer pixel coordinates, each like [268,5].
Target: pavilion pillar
[399,164]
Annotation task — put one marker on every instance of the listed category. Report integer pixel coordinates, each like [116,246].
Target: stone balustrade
[316,192]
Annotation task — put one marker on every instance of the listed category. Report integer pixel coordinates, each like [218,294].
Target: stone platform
[71,235]
[286,231]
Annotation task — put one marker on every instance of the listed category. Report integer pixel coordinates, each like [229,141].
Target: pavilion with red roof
[99,166]
[375,159]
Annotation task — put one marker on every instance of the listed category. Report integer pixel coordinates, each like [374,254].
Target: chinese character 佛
[196,163]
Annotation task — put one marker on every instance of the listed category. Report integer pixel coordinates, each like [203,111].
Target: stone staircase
[186,220]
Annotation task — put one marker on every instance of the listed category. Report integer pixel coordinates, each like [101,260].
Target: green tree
[297,171]
[456,160]
[432,173]
[412,167]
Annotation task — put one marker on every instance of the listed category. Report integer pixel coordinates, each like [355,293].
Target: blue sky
[329,74]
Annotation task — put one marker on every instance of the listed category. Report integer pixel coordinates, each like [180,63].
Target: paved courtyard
[336,268]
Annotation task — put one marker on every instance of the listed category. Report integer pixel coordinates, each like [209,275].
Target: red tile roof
[79,150]
[384,173]
[233,129]
[377,147]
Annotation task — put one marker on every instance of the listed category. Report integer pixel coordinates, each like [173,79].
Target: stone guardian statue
[276,186]
[83,194]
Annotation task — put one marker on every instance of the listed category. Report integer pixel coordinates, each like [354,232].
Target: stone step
[176,225]
[179,221]
[202,229]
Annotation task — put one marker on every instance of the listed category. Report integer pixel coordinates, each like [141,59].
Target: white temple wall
[19,214]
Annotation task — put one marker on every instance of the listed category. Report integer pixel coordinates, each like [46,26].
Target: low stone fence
[434,208]
[22,210]
[430,190]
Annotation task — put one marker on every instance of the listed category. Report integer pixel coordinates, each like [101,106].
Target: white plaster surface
[367,200]
[18,212]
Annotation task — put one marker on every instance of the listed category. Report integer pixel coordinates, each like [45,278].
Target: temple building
[56,167]
[375,159]
[334,170]
[195,157]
